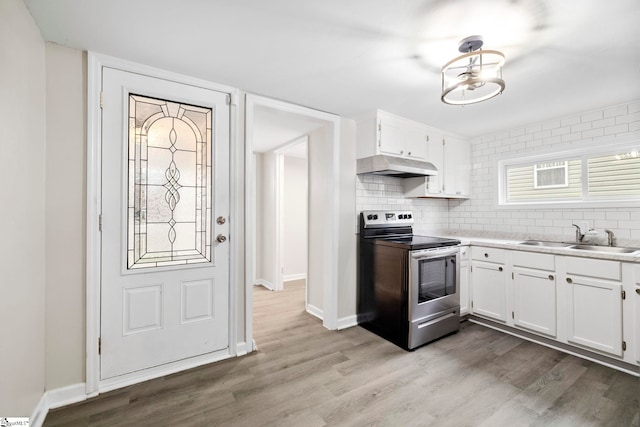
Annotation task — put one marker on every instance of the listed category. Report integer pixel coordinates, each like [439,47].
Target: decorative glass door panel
[169,183]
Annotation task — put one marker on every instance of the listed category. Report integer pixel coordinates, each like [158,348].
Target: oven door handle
[435,253]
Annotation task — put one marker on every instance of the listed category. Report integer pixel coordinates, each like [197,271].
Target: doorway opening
[290,151]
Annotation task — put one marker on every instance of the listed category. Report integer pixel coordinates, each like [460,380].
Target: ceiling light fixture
[474,76]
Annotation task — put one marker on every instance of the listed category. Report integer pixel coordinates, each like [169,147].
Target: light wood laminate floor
[305,375]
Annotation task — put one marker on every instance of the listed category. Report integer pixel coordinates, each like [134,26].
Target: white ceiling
[352,56]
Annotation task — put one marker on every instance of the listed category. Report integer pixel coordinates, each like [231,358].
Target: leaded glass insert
[169,183]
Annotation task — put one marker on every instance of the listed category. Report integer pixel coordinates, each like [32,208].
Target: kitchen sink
[544,243]
[610,249]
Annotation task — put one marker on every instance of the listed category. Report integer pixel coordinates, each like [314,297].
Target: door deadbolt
[221,238]
[220,220]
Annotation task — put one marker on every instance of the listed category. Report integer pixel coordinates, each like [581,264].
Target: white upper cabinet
[384,133]
[452,157]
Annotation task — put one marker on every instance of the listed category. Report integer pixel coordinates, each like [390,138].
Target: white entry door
[165,209]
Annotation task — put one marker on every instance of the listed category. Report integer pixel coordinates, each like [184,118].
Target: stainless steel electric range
[407,284]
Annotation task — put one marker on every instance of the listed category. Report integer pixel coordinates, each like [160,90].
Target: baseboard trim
[241,348]
[161,371]
[57,398]
[264,283]
[347,322]
[291,277]
[315,311]
[40,412]
[566,348]
[63,396]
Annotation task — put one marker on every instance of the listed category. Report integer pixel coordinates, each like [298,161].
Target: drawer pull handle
[486,255]
[551,277]
[638,291]
[569,280]
[499,268]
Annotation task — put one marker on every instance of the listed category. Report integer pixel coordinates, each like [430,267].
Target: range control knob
[409,216]
[375,217]
[369,217]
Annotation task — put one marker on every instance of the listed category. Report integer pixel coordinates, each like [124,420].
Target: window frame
[565,166]
[595,148]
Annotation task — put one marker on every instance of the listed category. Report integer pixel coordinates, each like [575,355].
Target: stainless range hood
[395,166]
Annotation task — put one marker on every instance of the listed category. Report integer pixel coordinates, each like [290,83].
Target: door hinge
[624,294]
[99,345]
[100,222]
[228,99]
[624,346]
[471,304]
[101,99]
[513,276]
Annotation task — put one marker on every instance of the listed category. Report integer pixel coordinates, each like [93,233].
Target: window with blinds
[574,177]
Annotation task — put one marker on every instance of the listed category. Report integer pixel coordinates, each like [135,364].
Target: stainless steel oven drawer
[422,331]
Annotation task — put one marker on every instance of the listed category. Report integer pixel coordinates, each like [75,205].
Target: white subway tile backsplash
[617,129]
[570,121]
[593,133]
[620,110]
[481,213]
[591,116]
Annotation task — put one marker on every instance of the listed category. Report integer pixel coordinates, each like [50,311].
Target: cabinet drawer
[534,260]
[594,268]
[488,254]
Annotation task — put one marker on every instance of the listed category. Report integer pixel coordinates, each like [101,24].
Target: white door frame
[95,63]
[330,245]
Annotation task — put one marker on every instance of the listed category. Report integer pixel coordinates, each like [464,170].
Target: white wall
[320,156]
[265,217]
[22,217]
[294,224]
[65,219]
[481,213]
[347,263]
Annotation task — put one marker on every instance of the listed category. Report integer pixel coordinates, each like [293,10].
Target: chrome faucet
[579,235]
[610,237]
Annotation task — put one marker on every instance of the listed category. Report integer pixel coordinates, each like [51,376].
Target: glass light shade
[472,77]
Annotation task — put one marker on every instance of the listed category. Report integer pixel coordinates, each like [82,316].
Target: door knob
[221,238]
[551,277]
[220,220]
[569,280]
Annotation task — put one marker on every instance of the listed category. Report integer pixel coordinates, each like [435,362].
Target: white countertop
[515,245]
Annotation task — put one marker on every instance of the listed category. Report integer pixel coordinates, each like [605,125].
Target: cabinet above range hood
[395,166]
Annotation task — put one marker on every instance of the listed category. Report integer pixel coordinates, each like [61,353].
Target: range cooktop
[415,242]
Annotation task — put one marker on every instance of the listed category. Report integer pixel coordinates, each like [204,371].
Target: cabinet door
[594,313]
[534,304]
[489,290]
[390,137]
[435,155]
[457,167]
[416,141]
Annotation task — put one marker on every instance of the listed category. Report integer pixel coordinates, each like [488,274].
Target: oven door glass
[436,278]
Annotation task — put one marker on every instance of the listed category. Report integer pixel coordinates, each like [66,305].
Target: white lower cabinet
[593,304]
[534,293]
[489,284]
[534,301]
[588,303]
[594,314]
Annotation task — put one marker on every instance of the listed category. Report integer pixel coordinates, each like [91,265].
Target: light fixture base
[470,44]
